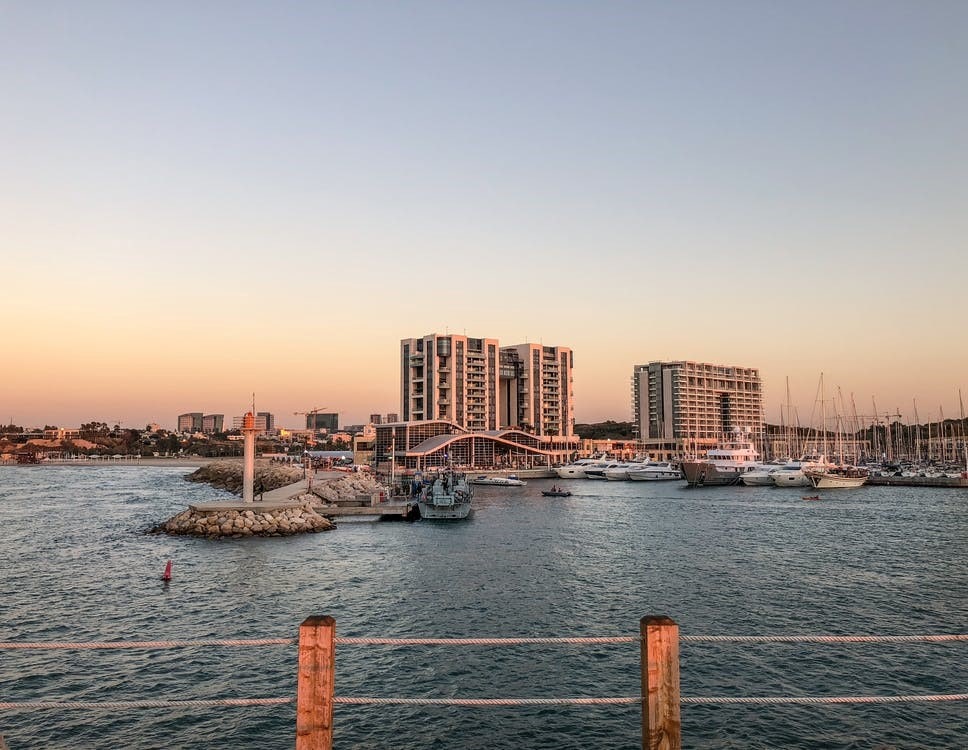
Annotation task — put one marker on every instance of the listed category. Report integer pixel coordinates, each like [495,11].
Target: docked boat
[797,473]
[840,477]
[556,491]
[597,470]
[576,469]
[510,480]
[447,498]
[724,465]
[655,471]
[766,475]
[619,472]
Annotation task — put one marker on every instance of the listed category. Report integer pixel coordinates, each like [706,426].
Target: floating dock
[918,481]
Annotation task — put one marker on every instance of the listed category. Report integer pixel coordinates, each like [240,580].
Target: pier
[883,481]
[373,504]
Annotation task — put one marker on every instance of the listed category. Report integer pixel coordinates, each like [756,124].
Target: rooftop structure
[436,443]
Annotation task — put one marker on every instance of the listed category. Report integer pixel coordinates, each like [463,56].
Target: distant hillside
[608,430]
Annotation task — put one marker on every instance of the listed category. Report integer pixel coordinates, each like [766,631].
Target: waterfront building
[212,423]
[684,407]
[429,444]
[536,392]
[190,422]
[479,385]
[451,378]
[62,433]
[376,419]
[392,417]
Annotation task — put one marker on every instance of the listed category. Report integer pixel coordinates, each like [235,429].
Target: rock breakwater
[298,519]
[227,475]
[305,513]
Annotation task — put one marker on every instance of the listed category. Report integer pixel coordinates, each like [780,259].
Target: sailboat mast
[823,416]
[961,429]
[917,433]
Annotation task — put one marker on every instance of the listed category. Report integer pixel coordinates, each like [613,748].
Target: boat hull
[757,479]
[649,475]
[705,474]
[791,479]
[498,482]
[429,512]
[836,481]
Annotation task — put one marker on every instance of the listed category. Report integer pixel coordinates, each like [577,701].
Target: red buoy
[167,575]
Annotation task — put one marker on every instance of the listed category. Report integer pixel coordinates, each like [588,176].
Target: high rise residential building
[479,385]
[213,423]
[683,406]
[536,389]
[450,377]
[190,422]
[322,421]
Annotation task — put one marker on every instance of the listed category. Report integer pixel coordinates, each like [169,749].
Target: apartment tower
[537,389]
[480,385]
[450,377]
[687,406]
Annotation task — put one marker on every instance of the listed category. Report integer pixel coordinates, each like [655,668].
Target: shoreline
[175,463]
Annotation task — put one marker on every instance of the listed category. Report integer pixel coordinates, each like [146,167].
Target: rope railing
[360,700]
[660,700]
[523,641]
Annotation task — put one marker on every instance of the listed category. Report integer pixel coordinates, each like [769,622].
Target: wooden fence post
[315,686]
[661,727]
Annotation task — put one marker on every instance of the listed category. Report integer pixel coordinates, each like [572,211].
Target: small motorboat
[811,497]
[511,480]
[556,491]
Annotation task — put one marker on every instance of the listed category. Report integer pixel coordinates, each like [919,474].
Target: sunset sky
[202,200]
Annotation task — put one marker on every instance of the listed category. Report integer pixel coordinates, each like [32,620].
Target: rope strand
[483,702]
[580,641]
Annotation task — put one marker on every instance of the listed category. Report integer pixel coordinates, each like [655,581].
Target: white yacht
[762,475]
[655,471]
[597,470]
[725,464]
[576,469]
[796,474]
[620,472]
[511,480]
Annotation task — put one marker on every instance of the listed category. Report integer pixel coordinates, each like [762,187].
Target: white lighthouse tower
[249,431]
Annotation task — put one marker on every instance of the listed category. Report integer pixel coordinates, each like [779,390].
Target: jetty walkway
[372,504]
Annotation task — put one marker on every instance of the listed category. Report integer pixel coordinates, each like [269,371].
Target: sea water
[77,565]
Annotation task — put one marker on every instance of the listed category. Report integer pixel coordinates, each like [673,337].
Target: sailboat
[840,476]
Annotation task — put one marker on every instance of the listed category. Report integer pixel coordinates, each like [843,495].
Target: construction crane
[312,412]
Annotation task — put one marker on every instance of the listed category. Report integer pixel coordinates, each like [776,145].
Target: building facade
[322,421]
[190,422]
[537,390]
[212,423]
[479,385]
[451,378]
[686,407]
